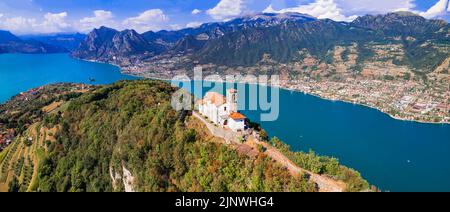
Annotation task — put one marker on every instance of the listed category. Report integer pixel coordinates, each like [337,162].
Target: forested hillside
[127,137]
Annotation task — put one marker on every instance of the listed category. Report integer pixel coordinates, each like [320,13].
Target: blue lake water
[391,154]
[21,72]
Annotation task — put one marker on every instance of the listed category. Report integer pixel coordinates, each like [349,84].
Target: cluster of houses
[6,138]
[222,110]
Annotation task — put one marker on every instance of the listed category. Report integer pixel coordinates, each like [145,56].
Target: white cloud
[100,18]
[320,8]
[175,27]
[363,7]
[194,24]
[19,25]
[440,9]
[149,20]
[154,19]
[51,23]
[55,22]
[347,10]
[226,9]
[196,12]
[1,15]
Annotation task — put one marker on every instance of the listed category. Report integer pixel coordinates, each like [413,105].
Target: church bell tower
[232,99]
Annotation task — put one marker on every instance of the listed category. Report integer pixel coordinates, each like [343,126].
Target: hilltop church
[222,110]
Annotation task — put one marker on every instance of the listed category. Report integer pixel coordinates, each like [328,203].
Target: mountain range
[109,43]
[245,41]
[10,43]
[69,41]
[184,41]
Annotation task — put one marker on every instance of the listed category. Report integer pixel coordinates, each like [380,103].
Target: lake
[21,72]
[391,154]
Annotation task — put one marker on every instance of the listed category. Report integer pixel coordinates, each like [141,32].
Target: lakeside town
[398,92]
[399,100]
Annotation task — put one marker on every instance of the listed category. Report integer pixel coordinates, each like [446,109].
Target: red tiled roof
[215,98]
[237,116]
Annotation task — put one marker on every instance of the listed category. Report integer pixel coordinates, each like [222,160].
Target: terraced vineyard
[20,160]
[27,114]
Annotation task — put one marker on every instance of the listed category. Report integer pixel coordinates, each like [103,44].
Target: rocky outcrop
[125,177]
[105,44]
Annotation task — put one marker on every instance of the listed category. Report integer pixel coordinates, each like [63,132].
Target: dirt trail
[324,183]
[51,107]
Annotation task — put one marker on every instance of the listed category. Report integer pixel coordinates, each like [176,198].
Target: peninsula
[127,137]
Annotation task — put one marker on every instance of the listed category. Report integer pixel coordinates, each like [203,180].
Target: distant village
[8,135]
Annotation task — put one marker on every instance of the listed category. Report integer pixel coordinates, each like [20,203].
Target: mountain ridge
[245,40]
[9,43]
[69,41]
[106,43]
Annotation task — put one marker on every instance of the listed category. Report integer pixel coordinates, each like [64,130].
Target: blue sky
[55,16]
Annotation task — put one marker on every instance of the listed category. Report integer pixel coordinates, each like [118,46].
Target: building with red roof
[222,110]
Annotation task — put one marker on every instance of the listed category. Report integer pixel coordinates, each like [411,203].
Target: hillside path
[325,184]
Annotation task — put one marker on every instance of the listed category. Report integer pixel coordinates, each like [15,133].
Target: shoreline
[318,96]
[377,109]
[367,106]
[281,87]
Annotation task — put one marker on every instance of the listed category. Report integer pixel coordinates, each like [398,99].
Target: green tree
[14,185]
